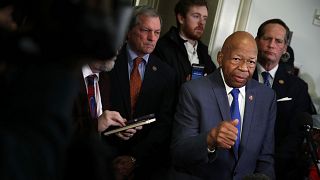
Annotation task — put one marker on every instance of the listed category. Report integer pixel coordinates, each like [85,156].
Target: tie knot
[137,61]
[90,79]
[265,75]
[235,92]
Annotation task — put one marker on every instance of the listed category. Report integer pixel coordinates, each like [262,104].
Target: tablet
[132,124]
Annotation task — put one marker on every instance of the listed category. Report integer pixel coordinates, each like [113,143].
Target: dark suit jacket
[289,130]
[170,48]
[203,104]
[150,146]
[81,112]
[88,157]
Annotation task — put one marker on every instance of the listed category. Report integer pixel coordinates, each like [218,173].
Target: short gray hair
[142,10]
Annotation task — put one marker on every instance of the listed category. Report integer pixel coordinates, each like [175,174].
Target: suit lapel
[279,82]
[220,94]
[123,79]
[248,115]
[222,99]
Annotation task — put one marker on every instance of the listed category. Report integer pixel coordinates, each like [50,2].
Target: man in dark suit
[209,142]
[292,98]
[88,156]
[149,146]
[180,47]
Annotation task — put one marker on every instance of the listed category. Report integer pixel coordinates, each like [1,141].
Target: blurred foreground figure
[38,82]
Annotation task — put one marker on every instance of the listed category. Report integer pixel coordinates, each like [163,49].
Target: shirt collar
[132,55]
[272,72]
[86,71]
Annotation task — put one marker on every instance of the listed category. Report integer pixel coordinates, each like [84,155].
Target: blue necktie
[235,114]
[266,76]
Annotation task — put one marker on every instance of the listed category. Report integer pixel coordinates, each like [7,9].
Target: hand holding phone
[197,71]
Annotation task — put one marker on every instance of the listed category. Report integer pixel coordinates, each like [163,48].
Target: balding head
[237,39]
[237,58]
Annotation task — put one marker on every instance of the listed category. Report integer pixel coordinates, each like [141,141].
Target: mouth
[240,79]
[269,53]
[199,29]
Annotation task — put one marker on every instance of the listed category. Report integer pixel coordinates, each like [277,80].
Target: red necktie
[91,96]
[135,83]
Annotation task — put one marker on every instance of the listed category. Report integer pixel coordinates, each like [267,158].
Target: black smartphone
[197,71]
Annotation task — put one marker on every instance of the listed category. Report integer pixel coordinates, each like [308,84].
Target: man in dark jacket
[292,98]
[181,47]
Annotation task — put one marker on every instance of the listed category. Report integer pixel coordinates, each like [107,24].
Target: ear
[180,18]
[219,58]
[285,48]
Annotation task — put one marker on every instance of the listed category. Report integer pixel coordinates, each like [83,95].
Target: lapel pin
[250,98]
[154,68]
[281,81]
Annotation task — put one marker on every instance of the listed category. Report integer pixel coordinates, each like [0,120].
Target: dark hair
[260,32]
[142,10]
[183,6]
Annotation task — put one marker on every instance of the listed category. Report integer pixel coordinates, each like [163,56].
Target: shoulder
[160,66]
[289,80]
[169,38]
[202,46]
[260,89]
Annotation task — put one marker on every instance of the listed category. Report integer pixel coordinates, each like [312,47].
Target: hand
[123,167]
[110,118]
[224,135]
[127,134]
[188,78]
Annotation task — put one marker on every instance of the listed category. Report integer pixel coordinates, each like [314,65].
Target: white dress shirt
[272,73]
[86,71]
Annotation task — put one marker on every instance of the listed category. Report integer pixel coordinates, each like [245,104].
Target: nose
[152,36]
[243,66]
[271,43]
[202,21]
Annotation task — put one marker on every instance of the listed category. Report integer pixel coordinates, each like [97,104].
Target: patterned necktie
[235,114]
[266,76]
[91,96]
[135,83]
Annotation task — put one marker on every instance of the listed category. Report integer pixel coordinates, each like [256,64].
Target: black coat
[170,48]
[150,146]
[289,132]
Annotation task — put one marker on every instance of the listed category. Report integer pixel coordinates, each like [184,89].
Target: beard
[102,66]
[192,33]
[107,66]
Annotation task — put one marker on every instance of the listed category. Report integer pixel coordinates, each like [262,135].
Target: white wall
[298,15]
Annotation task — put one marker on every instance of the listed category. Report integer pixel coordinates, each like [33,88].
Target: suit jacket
[81,112]
[203,104]
[150,146]
[88,157]
[288,129]
[170,48]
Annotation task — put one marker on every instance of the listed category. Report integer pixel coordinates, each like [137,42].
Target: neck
[267,65]
[191,41]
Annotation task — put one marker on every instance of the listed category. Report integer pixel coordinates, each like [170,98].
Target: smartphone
[197,71]
[143,120]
